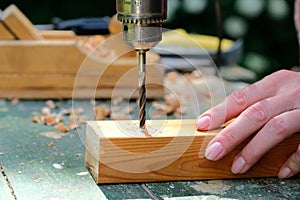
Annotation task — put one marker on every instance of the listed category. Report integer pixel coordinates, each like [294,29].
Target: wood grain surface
[118,152]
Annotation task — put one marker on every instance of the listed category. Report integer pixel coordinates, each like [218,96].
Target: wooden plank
[5,34]
[109,78]
[58,35]
[118,152]
[81,93]
[41,57]
[62,57]
[19,24]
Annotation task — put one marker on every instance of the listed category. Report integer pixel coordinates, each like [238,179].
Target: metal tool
[142,24]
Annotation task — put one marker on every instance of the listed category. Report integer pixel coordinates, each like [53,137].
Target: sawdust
[211,187]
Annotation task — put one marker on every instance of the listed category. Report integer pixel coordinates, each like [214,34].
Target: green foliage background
[274,39]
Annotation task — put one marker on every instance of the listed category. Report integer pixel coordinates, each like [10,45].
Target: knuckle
[228,137]
[282,75]
[239,97]
[278,127]
[295,93]
[258,112]
[278,77]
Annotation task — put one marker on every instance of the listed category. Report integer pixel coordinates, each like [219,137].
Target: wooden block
[64,57]
[5,34]
[81,93]
[53,68]
[19,24]
[40,56]
[49,81]
[58,35]
[118,152]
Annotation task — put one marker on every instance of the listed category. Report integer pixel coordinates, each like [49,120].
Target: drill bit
[142,24]
[142,88]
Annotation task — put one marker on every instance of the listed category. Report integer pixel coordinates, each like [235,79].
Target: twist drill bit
[142,24]
[142,88]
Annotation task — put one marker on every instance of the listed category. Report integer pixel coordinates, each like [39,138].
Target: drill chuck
[142,21]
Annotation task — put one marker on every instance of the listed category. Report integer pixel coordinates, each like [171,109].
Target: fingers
[275,131]
[292,166]
[251,120]
[236,102]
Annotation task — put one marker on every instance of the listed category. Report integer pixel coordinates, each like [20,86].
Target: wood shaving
[91,44]
[172,105]
[78,154]
[212,187]
[54,135]
[118,116]
[50,144]
[82,173]
[72,122]
[45,111]
[57,166]
[83,119]
[50,104]
[172,77]
[146,133]
[62,128]
[117,100]
[15,101]
[37,119]
[128,110]
[156,115]
[101,112]
[52,119]
[93,102]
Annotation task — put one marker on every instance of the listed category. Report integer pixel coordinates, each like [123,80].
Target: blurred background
[266,26]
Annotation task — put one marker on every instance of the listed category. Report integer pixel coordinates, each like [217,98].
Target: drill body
[142,21]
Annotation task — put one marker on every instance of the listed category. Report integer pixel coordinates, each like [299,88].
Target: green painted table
[31,168]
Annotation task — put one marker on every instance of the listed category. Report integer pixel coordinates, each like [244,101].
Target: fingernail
[238,165]
[213,151]
[284,173]
[203,122]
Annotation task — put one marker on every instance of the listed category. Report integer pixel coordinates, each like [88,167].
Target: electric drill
[142,29]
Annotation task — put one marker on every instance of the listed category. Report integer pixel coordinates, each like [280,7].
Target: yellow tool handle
[182,38]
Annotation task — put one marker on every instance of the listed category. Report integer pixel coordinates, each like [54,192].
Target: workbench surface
[34,166]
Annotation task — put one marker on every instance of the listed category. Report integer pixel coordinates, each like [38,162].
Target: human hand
[270,108]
